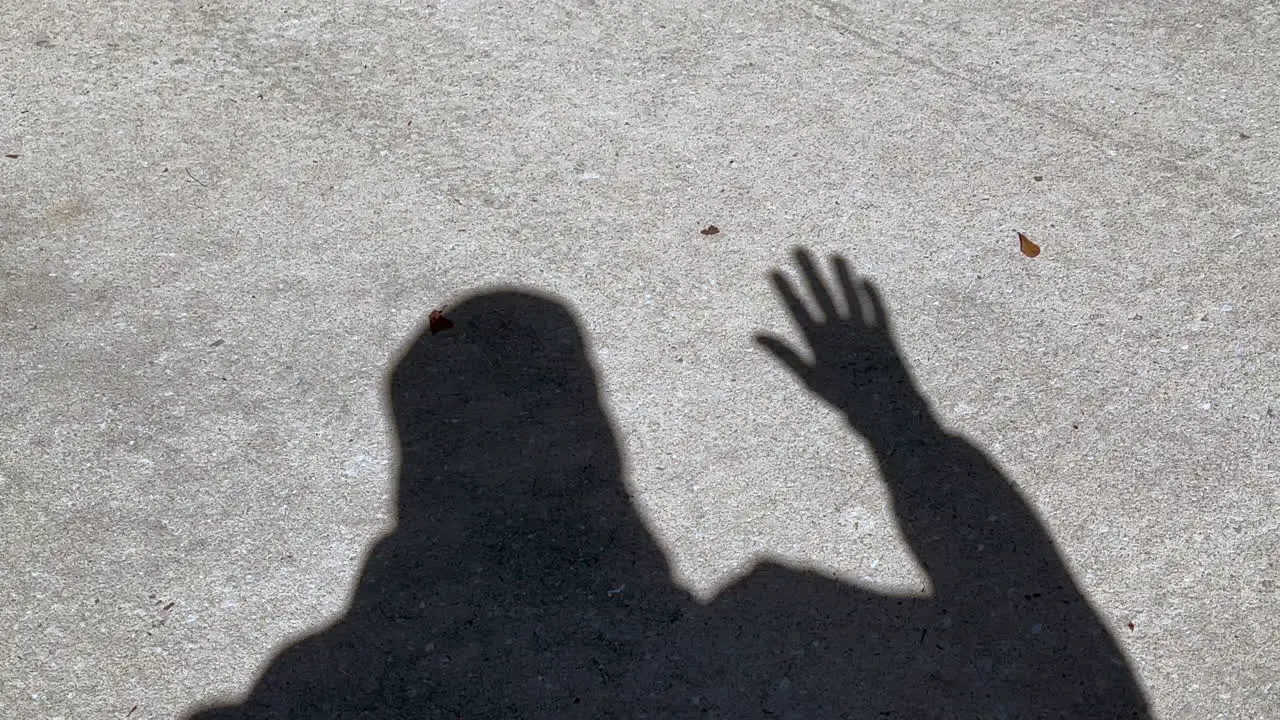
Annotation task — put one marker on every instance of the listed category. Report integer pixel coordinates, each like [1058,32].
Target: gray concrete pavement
[225,222]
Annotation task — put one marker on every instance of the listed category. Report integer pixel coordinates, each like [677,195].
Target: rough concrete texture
[226,221]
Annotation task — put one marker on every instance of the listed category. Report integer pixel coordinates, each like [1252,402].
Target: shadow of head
[504,439]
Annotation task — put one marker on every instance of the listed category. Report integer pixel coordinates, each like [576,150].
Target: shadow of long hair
[510,586]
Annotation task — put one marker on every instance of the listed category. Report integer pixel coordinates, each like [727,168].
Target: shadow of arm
[967,524]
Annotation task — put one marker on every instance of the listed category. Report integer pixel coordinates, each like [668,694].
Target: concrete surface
[227,221]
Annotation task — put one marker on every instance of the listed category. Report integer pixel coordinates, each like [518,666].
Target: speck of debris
[217,342]
[11,157]
[168,607]
[1037,178]
[710,230]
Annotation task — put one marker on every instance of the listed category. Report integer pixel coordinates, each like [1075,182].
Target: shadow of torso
[521,583]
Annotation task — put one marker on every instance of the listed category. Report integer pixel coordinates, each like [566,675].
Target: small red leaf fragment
[1028,248]
[437,322]
[1130,626]
[710,230]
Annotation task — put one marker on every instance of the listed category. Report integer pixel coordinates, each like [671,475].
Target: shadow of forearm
[997,573]
[969,526]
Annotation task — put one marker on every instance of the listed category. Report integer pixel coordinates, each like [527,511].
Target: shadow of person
[519,581]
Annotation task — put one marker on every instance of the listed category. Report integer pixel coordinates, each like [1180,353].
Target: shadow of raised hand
[1012,634]
[856,365]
